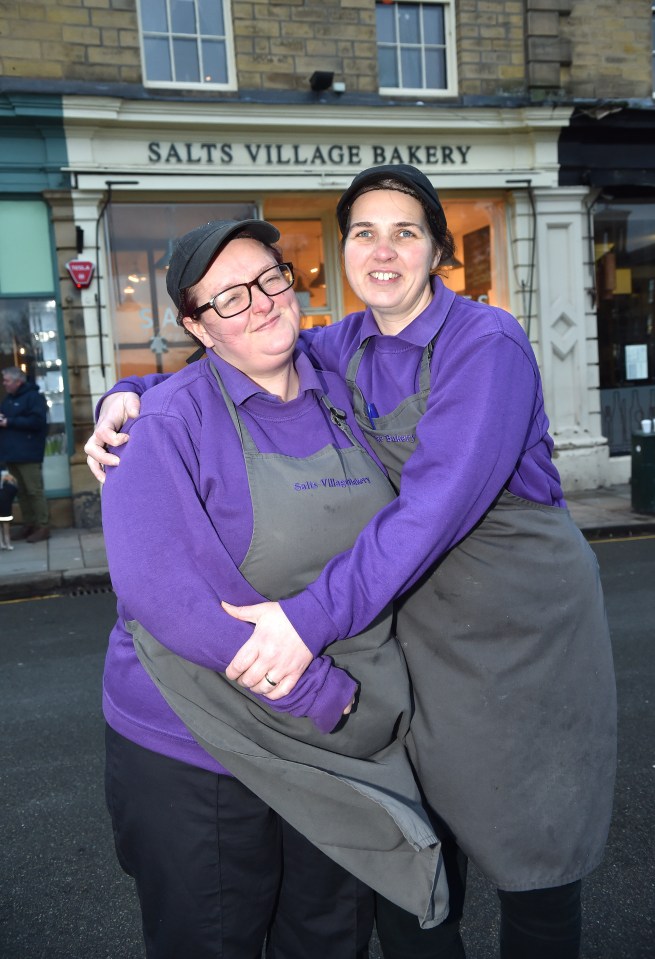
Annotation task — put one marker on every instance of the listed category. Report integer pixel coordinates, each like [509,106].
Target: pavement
[75,559]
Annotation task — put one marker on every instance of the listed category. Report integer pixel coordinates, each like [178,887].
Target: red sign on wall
[81,272]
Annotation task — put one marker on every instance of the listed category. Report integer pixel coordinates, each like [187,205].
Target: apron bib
[508,649]
[352,792]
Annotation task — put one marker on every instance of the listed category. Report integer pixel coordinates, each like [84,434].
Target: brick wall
[279,46]
[490,46]
[611,48]
[582,48]
[88,40]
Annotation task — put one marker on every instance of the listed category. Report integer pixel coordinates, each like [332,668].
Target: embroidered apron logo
[393,438]
[331,481]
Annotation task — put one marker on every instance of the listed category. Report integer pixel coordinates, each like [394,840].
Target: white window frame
[185,84]
[451,57]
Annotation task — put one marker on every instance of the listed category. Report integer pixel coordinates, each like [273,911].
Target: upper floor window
[416,48]
[187,43]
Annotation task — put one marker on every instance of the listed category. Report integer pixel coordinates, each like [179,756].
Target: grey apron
[352,792]
[508,649]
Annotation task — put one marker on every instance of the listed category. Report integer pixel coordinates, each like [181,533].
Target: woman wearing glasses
[244,474]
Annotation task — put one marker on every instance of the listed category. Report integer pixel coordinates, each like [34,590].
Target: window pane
[302,243]
[410,60]
[433,24]
[153,16]
[408,23]
[158,61]
[185,53]
[435,70]
[146,336]
[210,15]
[24,226]
[214,61]
[385,18]
[29,339]
[183,16]
[387,67]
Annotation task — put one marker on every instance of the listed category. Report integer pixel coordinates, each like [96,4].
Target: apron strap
[247,442]
[359,403]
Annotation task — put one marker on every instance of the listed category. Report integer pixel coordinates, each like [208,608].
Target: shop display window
[147,338]
[302,244]
[29,328]
[478,269]
[29,341]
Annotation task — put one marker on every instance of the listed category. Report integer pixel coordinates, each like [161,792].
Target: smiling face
[388,254]
[261,340]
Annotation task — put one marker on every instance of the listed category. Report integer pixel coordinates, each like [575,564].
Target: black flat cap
[194,252]
[409,175]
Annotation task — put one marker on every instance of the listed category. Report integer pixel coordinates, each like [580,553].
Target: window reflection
[147,338]
[302,243]
[29,340]
[624,253]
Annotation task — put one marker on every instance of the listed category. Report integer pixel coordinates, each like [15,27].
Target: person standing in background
[23,431]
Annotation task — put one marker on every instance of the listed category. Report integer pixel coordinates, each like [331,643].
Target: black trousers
[536,924]
[218,873]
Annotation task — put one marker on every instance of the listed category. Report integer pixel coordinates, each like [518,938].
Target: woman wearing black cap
[243,476]
[502,619]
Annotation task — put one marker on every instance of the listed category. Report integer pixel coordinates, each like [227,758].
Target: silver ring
[270,681]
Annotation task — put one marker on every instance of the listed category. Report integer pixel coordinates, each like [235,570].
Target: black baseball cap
[406,174]
[194,252]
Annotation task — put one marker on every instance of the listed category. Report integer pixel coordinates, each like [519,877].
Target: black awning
[617,149]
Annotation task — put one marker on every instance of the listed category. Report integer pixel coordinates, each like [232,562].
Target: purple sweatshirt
[178,520]
[484,430]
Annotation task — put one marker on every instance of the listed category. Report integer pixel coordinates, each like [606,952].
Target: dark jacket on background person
[23,439]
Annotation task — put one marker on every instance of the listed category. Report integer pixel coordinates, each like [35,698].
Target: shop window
[29,341]
[147,338]
[478,269]
[29,329]
[624,254]
[416,47]
[302,244]
[187,43]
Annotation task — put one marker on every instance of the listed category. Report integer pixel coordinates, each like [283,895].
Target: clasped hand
[275,650]
[274,654]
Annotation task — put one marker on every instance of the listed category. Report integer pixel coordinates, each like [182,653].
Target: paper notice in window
[636,362]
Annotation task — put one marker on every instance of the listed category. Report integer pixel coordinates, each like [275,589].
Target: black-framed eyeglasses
[236,299]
